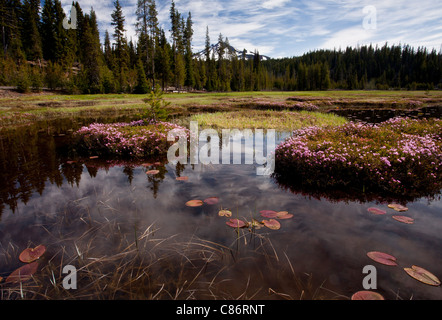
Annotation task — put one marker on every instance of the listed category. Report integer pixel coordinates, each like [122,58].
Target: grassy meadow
[18,109]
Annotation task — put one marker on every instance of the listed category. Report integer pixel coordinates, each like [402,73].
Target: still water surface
[327,238]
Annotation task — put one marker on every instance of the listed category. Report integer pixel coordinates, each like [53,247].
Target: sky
[289,28]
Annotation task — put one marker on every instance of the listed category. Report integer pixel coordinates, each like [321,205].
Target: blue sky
[287,28]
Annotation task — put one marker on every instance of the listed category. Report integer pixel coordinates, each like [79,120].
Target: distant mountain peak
[229,51]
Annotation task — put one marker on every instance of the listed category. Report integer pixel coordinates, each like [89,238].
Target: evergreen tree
[121,52]
[91,55]
[31,39]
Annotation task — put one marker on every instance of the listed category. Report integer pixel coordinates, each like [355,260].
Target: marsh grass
[256,119]
[120,261]
[25,109]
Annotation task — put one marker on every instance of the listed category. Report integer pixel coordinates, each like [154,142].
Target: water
[46,198]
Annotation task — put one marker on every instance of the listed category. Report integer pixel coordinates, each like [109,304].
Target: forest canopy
[39,51]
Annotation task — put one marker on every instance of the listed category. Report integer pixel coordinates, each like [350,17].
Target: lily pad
[24,273]
[268,213]
[236,223]
[423,275]
[185,178]
[225,213]
[32,254]
[147,164]
[211,200]
[376,211]
[194,203]
[397,207]
[403,219]
[367,295]
[272,224]
[283,215]
[153,172]
[383,258]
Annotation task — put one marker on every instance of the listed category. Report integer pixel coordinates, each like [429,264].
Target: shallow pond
[47,198]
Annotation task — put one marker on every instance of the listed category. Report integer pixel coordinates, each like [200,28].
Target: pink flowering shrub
[137,139]
[401,156]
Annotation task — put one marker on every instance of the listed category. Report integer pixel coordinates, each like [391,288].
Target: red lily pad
[153,172]
[211,200]
[268,213]
[236,223]
[383,258]
[225,213]
[403,219]
[376,211]
[147,164]
[397,207]
[272,224]
[24,273]
[367,295]
[423,275]
[32,254]
[283,215]
[194,203]
[182,178]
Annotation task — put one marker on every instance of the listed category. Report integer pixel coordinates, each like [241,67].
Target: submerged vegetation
[401,156]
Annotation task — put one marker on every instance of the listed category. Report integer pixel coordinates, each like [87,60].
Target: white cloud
[289,27]
[271,4]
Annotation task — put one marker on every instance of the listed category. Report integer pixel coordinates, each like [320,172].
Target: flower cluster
[400,156]
[136,139]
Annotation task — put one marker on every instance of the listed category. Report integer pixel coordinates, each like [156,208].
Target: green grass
[18,109]
[256,119]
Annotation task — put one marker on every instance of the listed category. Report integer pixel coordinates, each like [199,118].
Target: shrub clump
[401,156]
[137,139]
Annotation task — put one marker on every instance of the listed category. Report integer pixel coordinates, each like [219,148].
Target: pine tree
[121,53]
[148,31]
[142,83]
[91,55]
[163,60]
[30,30]
[188,34]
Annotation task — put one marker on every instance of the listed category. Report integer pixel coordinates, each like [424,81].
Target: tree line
[39,51]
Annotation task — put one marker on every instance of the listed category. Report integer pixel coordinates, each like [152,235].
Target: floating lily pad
[182,178]
[153,172]
[403,219]
[268,213]
[383,258]
[236,223]
[24,273]
[397,207]
[211,200]
[376,211]
[32,254]
[423,275]
[283,215]
[272,224]
[147,164]
[225,213]
[194,203]
[367,295]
